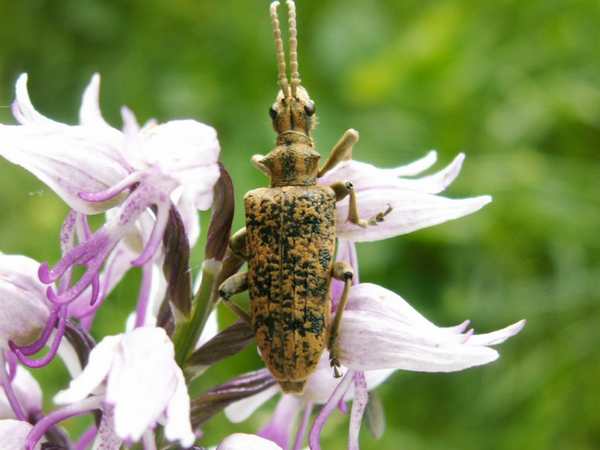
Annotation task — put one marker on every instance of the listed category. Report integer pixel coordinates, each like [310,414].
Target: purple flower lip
[41,341]
[130,181]
[45,360]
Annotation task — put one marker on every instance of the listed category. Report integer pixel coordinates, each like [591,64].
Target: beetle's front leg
[346,188]
[341,271]
[235,284]
[341,151]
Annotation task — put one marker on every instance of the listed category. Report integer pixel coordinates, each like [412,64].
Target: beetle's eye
[309,108]
[272,113]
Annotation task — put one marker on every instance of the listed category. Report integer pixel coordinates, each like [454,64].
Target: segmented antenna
[283,81]
[295,81]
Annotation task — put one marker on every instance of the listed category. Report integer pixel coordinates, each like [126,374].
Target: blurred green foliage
[516,85]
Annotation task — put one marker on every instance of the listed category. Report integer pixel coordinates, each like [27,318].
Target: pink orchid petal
[242,409]
[279,428]
[411,211]
[380,330]
[89,112]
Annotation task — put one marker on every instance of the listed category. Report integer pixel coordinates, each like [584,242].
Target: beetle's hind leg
[341,151]
[341,271]
[346,188]
[235,284]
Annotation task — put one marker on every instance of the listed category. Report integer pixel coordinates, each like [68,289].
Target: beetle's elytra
[289,239]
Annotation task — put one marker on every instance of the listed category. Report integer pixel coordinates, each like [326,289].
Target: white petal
[181,145]
[411,211]
[186,150]
[497,337]
[363,175]
[24,111]
[89,112]
[242,441]
[144,363]
[437,182]
[382,331]
[13,434]
[242,409]
[178,426]
[69,160]
[100,361]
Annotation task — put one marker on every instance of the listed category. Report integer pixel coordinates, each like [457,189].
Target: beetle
[290,235]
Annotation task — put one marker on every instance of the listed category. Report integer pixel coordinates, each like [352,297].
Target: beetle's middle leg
[341,271]
[232,283]
[235,284]
[343,189]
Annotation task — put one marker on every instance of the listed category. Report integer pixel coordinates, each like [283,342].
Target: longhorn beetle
[289,238]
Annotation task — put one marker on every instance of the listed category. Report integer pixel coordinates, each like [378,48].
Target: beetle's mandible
[290,235]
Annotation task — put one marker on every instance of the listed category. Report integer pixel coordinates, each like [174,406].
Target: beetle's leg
[344,189]
[341,271]
[234,285]
[256,161]
[341,151]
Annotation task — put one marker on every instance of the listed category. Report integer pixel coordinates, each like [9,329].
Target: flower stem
[188,331]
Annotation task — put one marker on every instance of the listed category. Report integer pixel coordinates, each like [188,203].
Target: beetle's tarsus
[335,365]
[380,217]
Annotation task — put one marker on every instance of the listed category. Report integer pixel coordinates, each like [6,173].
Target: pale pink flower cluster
[134,382]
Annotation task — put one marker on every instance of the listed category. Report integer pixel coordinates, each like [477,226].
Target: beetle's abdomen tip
[292,387]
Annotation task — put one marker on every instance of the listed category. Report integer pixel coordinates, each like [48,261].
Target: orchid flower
[135,377]
[413,202]
[94,167]
[380,333]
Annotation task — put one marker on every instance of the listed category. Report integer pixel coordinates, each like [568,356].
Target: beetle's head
[293,111]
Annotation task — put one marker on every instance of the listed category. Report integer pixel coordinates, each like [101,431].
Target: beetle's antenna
[283,81]
[295,81]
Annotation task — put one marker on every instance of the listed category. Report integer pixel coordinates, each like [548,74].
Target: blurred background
[515,85]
